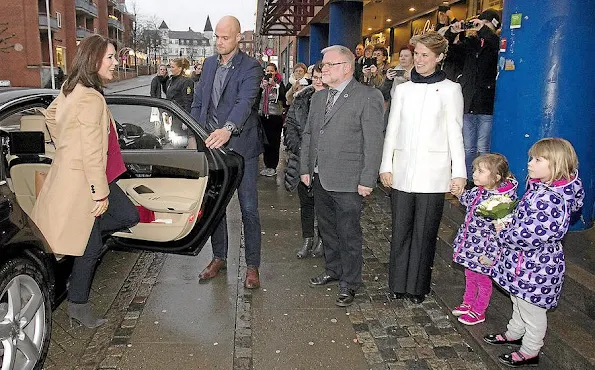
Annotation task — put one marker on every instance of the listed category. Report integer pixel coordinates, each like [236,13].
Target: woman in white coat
[423,156]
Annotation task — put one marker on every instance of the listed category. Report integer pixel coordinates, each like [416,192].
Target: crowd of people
[348,122]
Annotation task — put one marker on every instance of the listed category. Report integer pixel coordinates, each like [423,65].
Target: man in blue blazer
[224,105]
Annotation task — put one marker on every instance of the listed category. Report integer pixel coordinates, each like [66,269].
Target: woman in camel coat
[80,200]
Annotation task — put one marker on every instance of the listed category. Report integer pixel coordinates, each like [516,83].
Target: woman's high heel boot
[306,248]
[82,313]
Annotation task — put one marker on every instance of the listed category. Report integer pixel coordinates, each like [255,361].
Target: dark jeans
[416,218]
[248,197]
[477,136]
[120,215]
[306,210]
[339,226]
[272,125]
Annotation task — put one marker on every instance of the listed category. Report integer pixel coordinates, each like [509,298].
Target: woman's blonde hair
[497,165]
[433,41]
[563,161]
[182,63]
[302,66]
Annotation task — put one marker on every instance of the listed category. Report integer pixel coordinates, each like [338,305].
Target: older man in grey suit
[341,154]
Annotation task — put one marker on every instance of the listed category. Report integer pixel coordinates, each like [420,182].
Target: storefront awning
[284,17]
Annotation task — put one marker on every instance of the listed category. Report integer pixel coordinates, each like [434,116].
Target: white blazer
[423,146]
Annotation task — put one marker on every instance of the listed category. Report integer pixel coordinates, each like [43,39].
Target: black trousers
[306,210]
[339,226]
[121,214]
[416,218]
[272,125]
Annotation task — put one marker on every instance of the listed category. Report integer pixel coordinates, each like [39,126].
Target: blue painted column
[345,23]
[303,49]
[318,41]
[545,86]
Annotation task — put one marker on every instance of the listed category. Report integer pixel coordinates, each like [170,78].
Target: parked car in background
[182,192]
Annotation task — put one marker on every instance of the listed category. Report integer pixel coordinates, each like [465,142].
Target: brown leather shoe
[212,269]
[252,279]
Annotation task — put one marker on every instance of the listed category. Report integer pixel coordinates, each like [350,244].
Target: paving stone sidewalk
[397,334]
[391,334]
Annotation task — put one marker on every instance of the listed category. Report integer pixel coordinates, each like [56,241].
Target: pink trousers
[478,290]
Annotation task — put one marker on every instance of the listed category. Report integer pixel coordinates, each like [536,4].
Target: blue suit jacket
[237,103]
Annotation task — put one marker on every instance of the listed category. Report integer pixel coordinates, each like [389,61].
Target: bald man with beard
[224,105]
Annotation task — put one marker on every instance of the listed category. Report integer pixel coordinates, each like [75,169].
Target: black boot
[82,313]
[319,249]
[306,248]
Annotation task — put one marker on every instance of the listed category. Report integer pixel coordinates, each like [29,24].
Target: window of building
[59,19]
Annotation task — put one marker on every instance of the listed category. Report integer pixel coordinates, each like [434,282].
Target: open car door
[180,187]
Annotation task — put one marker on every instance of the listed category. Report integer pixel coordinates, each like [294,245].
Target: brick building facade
[70,22]
[247,44]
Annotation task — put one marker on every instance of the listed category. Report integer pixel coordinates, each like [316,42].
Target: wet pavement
[161,317]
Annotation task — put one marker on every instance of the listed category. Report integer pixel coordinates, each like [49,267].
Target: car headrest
[35,123]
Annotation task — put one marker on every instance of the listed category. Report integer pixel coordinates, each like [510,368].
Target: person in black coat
[477,54]
[159,82]
[294,127]
[180,89]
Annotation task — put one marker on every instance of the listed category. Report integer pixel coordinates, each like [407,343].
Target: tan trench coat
[79,125]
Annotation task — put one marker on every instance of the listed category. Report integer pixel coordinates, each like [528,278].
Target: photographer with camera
[374,69]
[476,52]
[398,74]
[271,109]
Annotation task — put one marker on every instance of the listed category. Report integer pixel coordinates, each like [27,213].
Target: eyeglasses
[330,64]
[314,78]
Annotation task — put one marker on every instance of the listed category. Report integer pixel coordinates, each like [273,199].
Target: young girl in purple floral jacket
[477,235]
[531,263]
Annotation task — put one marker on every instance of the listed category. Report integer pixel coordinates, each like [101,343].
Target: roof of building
[208,27]
[186,35]
[163,26]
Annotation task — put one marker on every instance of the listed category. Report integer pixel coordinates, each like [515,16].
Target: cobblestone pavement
[121,281]
[397,334]
[391,334]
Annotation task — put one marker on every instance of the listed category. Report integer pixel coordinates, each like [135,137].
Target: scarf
[437,76]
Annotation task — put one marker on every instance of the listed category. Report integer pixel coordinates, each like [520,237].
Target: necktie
[330,102]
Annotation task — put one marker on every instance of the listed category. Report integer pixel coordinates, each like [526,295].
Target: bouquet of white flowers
[498,208]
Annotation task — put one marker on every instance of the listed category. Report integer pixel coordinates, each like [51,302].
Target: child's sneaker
[472,318]
[461,309]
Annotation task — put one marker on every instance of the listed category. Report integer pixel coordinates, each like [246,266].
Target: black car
[185,190]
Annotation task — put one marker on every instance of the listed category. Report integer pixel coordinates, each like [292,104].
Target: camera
[467,25]
[368,62]
[268,76]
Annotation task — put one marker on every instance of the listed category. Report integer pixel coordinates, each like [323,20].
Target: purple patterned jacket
[477,235]
[531,264]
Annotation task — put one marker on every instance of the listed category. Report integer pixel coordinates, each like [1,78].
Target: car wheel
[25,315]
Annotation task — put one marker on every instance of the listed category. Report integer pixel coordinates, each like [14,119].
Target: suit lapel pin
[346,95]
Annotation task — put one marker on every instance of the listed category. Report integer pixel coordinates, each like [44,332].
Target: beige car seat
[23,173]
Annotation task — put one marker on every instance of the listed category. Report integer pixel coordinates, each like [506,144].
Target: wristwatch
[229,127]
